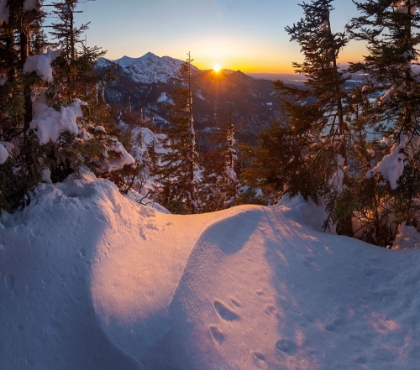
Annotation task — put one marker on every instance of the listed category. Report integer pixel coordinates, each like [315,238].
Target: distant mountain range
[148,83]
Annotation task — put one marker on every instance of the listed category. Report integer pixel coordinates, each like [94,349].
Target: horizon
[235,35]
[292,73]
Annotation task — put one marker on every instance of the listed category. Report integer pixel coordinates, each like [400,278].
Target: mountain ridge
[147,83]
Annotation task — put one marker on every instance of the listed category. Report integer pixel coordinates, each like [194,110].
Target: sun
[217,68]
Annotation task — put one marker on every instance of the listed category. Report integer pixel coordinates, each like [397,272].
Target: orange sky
[244,35]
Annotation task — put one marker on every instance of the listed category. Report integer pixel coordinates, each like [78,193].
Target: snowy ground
[91,280]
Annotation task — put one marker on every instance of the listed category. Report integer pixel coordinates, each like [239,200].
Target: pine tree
[22,171]
[76,78]
[42,126]
[222,186]
[179,165]
[305,153]
[390,29]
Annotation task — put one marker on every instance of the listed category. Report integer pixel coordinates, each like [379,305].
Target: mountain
[151,69]
[149,81]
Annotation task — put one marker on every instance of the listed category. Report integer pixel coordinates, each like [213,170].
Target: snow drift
[92,280]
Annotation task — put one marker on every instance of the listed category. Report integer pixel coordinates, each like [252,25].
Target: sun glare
[217,68]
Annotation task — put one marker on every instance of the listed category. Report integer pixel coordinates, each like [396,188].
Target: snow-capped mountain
[148,82]
[151,69]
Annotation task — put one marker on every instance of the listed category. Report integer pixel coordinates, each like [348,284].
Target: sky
[246,35]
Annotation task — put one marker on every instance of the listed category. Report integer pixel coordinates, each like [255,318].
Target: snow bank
[4,154]
[41,64]
[92,280]
[50,123]
[125,158]
[407,238]
[305,212]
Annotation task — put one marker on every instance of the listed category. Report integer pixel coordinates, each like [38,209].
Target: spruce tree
[42,127]
[76,78]
[392,185]
[179,170]
[307,150]
[221,188]
[22,171]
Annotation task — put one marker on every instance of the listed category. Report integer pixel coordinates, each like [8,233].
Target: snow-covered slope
[152,69]
[91,280]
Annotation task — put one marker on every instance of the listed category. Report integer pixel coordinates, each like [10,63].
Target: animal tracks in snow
[9,282]
[286,345]
[217,334]
[225,312]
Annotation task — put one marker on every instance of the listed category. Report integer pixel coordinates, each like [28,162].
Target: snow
[407,238]
[125,61]
[164,98]
[92,280]
[337,178]
[41,64]
[46,176]
[103,63]
[50,123]
[392,165]
[152,69]
[4,154]
[125,158]
[387,97]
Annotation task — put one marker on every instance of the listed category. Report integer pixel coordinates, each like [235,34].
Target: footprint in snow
[258,355]
[9,282]
[218,336]
[286,345]
[225,313]
[235,302]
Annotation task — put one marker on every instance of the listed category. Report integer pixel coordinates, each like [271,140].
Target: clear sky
[246,35]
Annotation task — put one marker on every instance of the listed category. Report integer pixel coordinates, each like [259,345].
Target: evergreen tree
[22,171]
[307,151]
[390,29]
[222,186]
[42,125]
[75,77]
[179,170]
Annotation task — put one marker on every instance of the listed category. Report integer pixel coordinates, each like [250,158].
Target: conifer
[179,170]
[306,152]
[222,188]
[392,184]
[23,169]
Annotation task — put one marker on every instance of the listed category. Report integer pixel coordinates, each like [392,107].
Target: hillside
[149,81]
[91,280]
